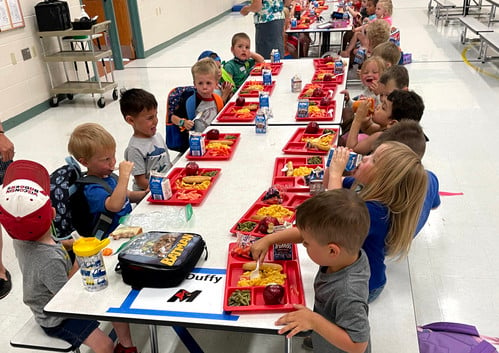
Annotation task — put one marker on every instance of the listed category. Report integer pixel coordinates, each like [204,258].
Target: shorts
[73,331]
[374,293]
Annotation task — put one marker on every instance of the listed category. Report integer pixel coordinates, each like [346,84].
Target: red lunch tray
[230,115]
[293,183]
[246,91]
[178,174]
[289,201]
[301,26]
[275,68]
[211,155]
[308,89]
[293,284]
[324,63]
[319,74]
[296,144]
[326,113]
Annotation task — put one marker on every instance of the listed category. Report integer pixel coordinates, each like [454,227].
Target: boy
[394,77]
[225,87]
[410,133]
[26,213]
[95,148]
[244,59]
[397,106]
[389,52]
[201,102]
[146,148]
[332,227]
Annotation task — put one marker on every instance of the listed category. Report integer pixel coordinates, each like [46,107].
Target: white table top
[241,181]
[283,102]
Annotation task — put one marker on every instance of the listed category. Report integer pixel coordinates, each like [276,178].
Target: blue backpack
[174,137]
[450,337]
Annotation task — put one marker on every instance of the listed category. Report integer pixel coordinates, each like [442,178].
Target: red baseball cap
[25,207]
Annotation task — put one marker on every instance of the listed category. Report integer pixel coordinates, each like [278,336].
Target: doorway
[96,8]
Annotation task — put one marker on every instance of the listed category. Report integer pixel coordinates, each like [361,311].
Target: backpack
[175,139]
[71,207]
[450,337]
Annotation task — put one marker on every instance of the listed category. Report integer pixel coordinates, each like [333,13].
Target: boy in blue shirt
[95,148]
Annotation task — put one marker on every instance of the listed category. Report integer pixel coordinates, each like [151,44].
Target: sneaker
[120,349]
[5,285]
[307,344]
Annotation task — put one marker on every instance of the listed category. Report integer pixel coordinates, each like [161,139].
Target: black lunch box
[160,259]
[52,15]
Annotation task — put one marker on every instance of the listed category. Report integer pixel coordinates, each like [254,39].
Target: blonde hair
[378,31]
[88,139]
[376,59]
[387,5]
[205,66]
[400,183]
[388,51]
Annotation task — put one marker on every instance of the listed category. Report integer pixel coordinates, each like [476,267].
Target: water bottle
[89,256]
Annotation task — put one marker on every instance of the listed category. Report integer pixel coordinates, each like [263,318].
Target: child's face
[370,8]
[383,113]
[102,164]
[364,173]
[364,4]
[318,253]
[370,73]
[205,84]
[386,89]
[380,10]
[145,123]
[241,49]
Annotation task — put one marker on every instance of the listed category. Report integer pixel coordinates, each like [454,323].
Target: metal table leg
[288,345]
[153,336]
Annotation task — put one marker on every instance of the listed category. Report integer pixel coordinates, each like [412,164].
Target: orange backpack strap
[218,101]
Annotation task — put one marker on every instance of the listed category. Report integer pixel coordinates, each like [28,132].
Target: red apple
[240,101]
[325,101]
[273,294]
[213,134]
[312,128]
[191,168]
[327,77]
[328,59]
[318,92]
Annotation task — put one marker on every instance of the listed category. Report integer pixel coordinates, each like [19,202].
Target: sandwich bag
[160,259]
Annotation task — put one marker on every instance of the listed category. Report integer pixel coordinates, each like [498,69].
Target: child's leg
[123,332]
[346,53]
[99,342]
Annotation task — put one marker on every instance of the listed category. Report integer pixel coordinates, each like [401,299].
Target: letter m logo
[183,295]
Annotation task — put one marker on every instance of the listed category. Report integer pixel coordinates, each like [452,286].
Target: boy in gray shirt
[332,226]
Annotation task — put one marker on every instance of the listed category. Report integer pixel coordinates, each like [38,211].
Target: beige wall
[25,84]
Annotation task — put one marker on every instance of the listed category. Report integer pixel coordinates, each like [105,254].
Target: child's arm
[141,181]
[333,176]
[305,319]
[258,58]
[260,247]
[187,124]
[137,196]
[115,202]
[359,118]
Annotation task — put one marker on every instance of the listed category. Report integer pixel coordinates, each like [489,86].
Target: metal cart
[79,48]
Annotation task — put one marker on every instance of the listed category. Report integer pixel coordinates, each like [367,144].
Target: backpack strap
[106,218]
[190,106]
[70,161]
[218,101]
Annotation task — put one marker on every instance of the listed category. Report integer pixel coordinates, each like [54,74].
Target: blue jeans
[373,294]
[73,331]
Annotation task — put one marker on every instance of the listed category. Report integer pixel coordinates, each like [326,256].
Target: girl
[393,183]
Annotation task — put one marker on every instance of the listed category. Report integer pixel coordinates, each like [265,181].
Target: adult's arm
[255,6]
[6,146]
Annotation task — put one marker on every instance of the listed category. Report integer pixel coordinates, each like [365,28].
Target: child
[95,148]
[244,60]
[394,77]
[146,148]
[398,105]
[202,100]
[410,133]
[332,227]
[393,183]
[389,52]
[225,87]
[26,214]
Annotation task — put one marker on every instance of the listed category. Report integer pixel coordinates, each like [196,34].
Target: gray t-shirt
[341,297]
[45,270]
[147,154]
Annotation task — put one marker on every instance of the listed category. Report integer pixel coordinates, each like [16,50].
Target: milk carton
[160,186]
[197,144]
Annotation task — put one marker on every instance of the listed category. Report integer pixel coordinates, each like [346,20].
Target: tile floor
[453,263]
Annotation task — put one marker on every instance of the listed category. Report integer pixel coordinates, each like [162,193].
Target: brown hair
[238,36]
[388,51]
[87,139]
[337,216]
[397,73]
[408,132]
[134,101]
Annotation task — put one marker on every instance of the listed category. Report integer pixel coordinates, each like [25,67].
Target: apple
[328,59]
[213,134]
[240,101]
[312,128]
[325,101]
[318,92]
[327,77]
[273,294]
[191,168]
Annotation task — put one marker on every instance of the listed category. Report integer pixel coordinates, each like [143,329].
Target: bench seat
[473,25]
[488,39]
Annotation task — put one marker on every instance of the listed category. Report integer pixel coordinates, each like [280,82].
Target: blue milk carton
[197,144]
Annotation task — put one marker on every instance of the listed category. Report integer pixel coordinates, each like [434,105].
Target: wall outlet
[26,54]
[13,59]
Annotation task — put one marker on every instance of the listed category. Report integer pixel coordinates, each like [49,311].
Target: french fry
[250,266]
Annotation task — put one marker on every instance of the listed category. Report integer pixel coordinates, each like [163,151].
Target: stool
[32,336]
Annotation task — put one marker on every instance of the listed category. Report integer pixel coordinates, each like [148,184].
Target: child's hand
[188,124]
[259,249]
[373,86]
[347,95]
[125,169]
[339,161]
[361,114]
[297,321]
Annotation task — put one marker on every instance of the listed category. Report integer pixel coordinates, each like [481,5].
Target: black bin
[52,15]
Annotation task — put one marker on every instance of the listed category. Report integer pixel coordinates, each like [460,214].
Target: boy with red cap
[26,213]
